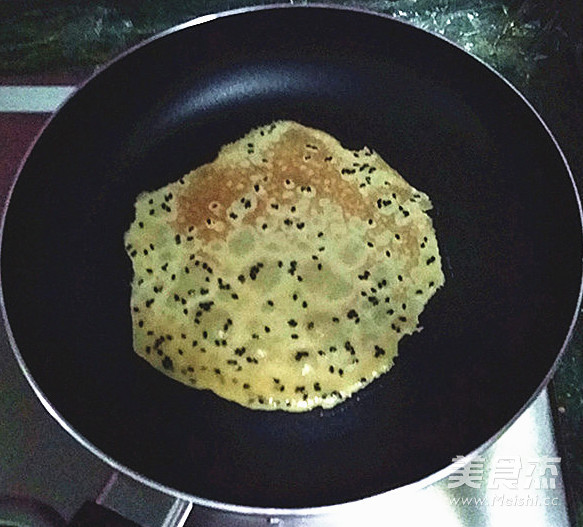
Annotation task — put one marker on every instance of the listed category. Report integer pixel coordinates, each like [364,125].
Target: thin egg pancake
[282,275]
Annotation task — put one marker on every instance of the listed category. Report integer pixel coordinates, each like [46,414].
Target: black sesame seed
[206,306]
[167,363]
[352,314]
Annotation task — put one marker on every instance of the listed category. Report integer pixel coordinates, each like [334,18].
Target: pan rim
[396,493]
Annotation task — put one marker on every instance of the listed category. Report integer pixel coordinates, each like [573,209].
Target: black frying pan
[505,210]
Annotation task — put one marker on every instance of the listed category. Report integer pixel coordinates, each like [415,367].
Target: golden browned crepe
[283,274]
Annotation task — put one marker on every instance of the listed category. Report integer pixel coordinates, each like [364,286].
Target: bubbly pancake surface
[283,274]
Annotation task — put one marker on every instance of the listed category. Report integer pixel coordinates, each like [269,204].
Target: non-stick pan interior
[505,212]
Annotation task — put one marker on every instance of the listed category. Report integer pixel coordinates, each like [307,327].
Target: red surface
[17,132]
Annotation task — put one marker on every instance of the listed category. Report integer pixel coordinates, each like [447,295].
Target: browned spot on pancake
[289,165]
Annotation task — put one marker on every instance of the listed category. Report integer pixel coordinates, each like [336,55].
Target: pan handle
[92,514]
[120,504]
